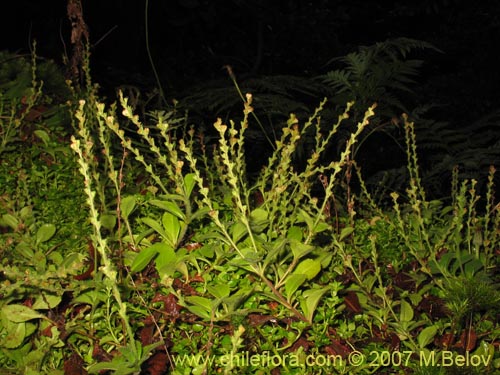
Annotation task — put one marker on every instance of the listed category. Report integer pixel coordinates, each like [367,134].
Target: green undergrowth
[132,247]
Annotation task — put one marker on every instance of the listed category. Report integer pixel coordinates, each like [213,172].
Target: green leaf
[189,184]
[239,230]
[325,259]
[345,232]
[219,291]
[174,209]
[426,336]
[304,217]
[169,204]
[200,306]
[172,227]
[295,233]
[461,259]
[143,258]
[26,213]
[183,269]
[406,313]
[45,233]
[108,221]
[310,301]
[10,221]
[124,364]
[321,227]
[200,213]
[308,267]
[300,249]
[15,334]
[258,215]
[443,263]
[46,301]
[155,225]
[127,205]
[92,298]
[472,267]
[258,220]
[273,251]
[251,255]
[199,311]
[234,301]
[43,135]
[166,261]
[20,313]
[25,250]
[292,283]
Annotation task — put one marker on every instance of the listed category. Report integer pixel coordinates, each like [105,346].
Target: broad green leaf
[345,232]
[310,300]
[295,233]
[325,259]
[308,267]
[143,258]
[155,225]
[219,291]
[369,281]
[189,184]
[165,250]
[161,203]
[461,260]
[300,249]
[200,213]
[304,217]
[472,267]
[119,365]
[199,306]
[183,269]
[234,301]
[45,233]
[250,255]
[174,209]
[20,313]
[443,263]
[15,334]
[426,336]
[321,227]
[26,212]
[271,253]
[56,257]
[199,301]
[108,221]
[172,227]
[166,261]
[25,250]
[46,301]
[258,220]
[127,205]
[168,203]
[92,298]
[258,215]
[239,230]
[406,313]
[207,250]
[292,283]
[10,221]
[43,135]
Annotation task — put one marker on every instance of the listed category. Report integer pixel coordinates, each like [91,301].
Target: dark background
[191,40]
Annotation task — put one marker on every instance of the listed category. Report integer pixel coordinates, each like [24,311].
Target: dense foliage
[133,242]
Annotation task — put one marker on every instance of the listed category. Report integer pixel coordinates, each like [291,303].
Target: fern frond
[376,73]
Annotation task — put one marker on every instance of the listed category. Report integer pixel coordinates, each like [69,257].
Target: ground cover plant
[135,245]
